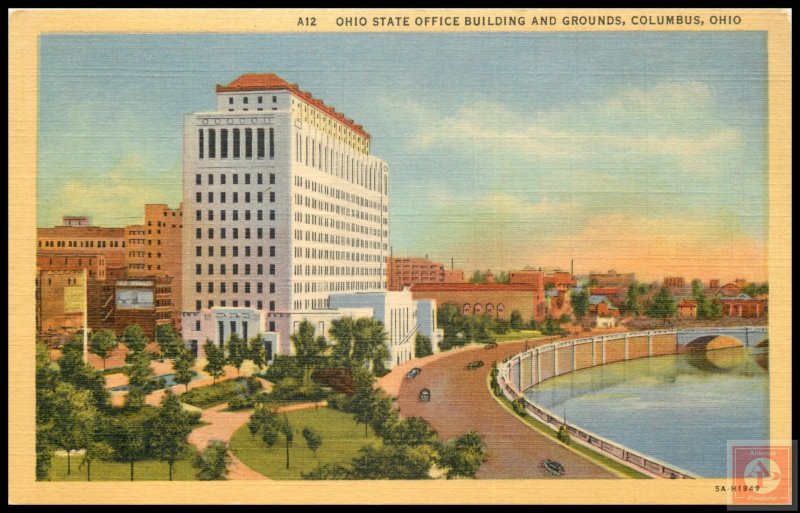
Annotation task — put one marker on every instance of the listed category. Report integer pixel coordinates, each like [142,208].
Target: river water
[681,409]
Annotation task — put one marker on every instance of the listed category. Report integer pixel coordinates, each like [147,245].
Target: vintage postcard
[459,256]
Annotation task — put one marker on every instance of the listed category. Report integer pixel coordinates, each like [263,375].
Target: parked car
[477,364]
[490,345]
[413,373]
[553,467]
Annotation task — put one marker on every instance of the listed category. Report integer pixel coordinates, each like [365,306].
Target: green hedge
[221,392]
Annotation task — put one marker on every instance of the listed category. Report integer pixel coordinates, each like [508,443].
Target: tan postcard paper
[499,256]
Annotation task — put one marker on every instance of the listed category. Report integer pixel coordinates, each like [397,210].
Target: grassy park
[341,440]
[145,470]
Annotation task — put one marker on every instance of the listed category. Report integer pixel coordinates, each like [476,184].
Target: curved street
[461,401]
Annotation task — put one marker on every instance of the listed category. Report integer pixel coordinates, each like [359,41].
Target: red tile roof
[271,82]
[604,291]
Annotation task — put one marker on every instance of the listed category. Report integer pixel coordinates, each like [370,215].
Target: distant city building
[453,276]
[77,236]
[674,281]
[136,245]
[75,221]
[613,279]
[601,306]
[687,308]
[744,306]
[284,204]
[616,295]
[498,300]
[60,301]
[143,300]
[404,272]
[561,280]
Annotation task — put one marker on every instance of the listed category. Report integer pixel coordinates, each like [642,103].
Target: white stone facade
[217,324]
[283,205]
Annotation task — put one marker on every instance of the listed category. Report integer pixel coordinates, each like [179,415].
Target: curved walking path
[223,424]
[461,402]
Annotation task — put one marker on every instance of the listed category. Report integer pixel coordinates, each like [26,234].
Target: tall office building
[283,204]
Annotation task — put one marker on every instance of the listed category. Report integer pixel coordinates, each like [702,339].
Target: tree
[516,321]
[46,379]
[502,277]
[477,277]
[422,346]
[256,352]
[342,333]
[74,419]
[93,452]
[169,343]
[134,338]
[129,440]
[378,352]
[215,357]
[44,452]
[140,378]
[270,436]
[463,456]
[580,303]
[393,462]
[183,365]
[308,348]
[412,432]
[212,464]
[328,472]
[75,371]
[313,440]
[663,305]
[237,352]
[288,434]
[102,343]
[169,431]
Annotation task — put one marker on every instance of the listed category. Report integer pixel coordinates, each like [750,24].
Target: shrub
[253,385]
[193,417]
[214,394]
[338,402]
[563,435]
[519,407]
[283,367]
[240,403]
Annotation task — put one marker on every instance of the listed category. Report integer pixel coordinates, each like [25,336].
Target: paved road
[460,402]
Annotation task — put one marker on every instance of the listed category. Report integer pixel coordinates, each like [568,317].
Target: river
[681,409]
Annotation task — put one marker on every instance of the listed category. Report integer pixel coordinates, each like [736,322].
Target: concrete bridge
[749,336]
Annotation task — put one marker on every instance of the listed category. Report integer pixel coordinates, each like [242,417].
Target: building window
[272,197]
[259,288]
[245,100]
[271,215]
[259,215]
[260,233]
[236,251]
[260,251]
[272,306]
[197,307]
[198,197]
[260,197]
[210,180]
[247,178]
[248,143]
[235,268]
[210,269]
[260,142]
[272,251]
[211,287]
[210,215]
[211,197]
[235,144]
[212,143]
[211,251]
[223,233]
[260,98]
[198,215]
[236,197]
[272,269]
[246,269]
[247,197]
[198,179]
[198,233]
[200,144]
[221,215]
[271,323]
[272,178]
[274,99]
[246,215]
[222,178]
[211,304]
[222,287]
[222,269]
[198,251]
[260,178]
[260,269]
[198,269]
[210,233]
[272,233]
[235,179]
[272,288]
[247,233]
[223,150]
[247,287]
[272,143]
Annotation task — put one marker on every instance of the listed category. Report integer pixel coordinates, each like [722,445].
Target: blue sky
[642,151]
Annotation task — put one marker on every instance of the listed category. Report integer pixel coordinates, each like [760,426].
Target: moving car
[413,373]
[477,364]
[553,467]
[490,345]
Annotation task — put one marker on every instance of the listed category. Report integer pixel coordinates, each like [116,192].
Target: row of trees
[235,352]
[73,413]
[480,277]
[103,342]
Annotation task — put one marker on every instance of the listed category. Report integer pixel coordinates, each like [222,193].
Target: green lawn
[146,470]
[341,440]
[516,335]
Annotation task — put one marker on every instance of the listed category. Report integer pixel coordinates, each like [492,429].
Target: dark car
[413,373]
[553,467]
[490,345]
[477,364]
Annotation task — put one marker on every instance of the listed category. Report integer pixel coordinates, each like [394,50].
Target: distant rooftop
[272,82]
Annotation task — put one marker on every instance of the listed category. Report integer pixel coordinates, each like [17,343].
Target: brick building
[162,249]
[144,300]
[526,295]
[135,249]
[78,237]
[613,279]
[405,272]
[744,306]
